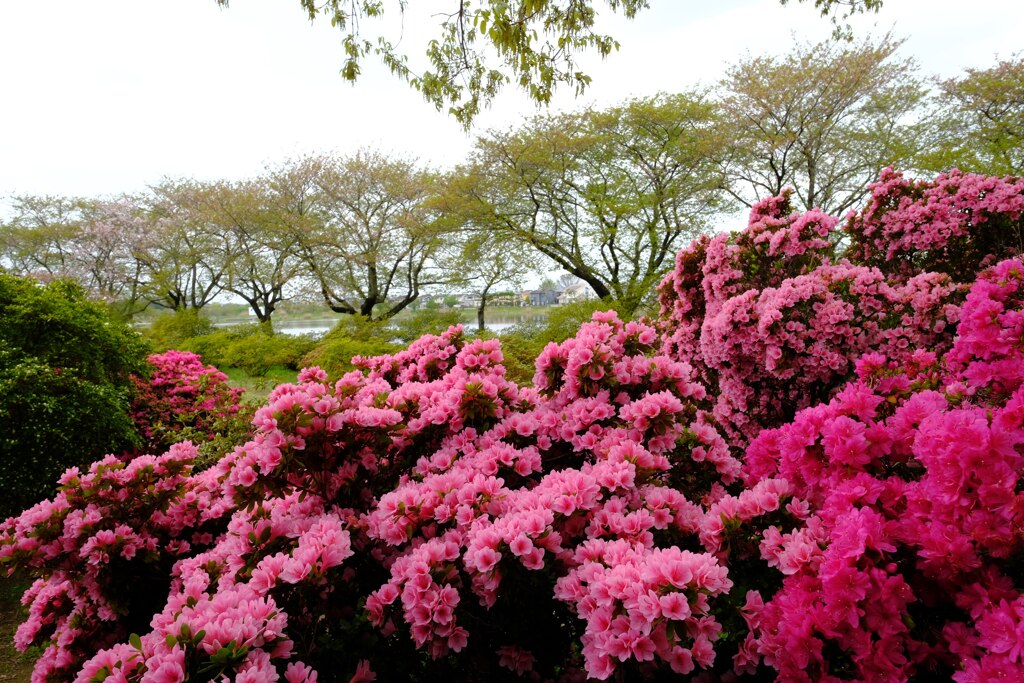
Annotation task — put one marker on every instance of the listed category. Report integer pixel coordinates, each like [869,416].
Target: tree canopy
[980,120]
[607,195]
[824,119]
[483,46]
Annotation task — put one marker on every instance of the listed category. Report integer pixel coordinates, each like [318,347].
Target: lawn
[14,666]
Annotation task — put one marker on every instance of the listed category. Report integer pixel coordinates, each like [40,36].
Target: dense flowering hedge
[425,518]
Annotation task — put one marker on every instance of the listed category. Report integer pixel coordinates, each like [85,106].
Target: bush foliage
[65,385]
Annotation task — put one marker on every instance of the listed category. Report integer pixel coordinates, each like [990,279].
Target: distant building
[576,291]
[468,300]
[540,297]
[502,299]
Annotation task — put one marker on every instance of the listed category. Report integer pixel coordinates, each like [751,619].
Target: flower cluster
[956,224]
[913,478]
[773,318]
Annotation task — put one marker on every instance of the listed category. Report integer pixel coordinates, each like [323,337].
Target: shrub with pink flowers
[808,470]
[183,399]
[773,318]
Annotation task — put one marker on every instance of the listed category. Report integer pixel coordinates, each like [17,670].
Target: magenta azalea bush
[183,399]
[809,469]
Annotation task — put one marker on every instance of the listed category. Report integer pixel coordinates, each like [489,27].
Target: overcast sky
[108,96]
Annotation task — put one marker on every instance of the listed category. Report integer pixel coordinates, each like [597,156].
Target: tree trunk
[480,309]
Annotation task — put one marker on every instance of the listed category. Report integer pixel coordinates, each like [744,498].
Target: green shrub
[256,353]
[211,346]
[65,386]
[408,328]
[168,331]
[249,347]
[351,336]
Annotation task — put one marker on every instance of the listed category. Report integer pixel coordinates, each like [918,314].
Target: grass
[258,387]
[14,666]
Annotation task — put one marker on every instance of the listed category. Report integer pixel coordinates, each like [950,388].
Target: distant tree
[488,263]
[37,241]
[95,242]
[481,47]
[187,260]
[824,119]
[608,195]
[264,264]
[980,119]
[107,249]
[363,229]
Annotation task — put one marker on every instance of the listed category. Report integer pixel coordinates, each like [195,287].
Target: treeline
[608,195]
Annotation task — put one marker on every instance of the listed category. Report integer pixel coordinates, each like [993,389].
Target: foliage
[256,353]
[408,328]
[250,347]
[478,48]
[824,119]
[167,331]
[980,118]
[183,400]
[841,11]
[607,195]
[65,386]
[350,338]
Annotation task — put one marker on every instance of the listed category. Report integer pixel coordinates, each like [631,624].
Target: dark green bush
[65,387]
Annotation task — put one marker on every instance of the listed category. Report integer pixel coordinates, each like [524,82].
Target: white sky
[108,96]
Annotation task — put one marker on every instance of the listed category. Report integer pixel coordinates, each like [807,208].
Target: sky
[101,97]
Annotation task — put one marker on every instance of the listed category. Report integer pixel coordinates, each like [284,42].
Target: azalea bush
[182,399]
[775,317]
[832,492]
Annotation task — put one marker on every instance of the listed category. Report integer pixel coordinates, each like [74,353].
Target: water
[319,328]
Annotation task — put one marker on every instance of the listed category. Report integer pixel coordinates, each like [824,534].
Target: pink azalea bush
[773,318]
[183,399]
[102,551]
[830,491]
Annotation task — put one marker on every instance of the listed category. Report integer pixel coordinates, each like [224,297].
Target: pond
[319,328]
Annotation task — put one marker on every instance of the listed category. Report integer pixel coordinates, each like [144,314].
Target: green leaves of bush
[64,386]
